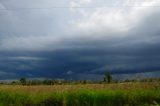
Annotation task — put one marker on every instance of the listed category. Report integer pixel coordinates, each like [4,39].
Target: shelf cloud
[76,39]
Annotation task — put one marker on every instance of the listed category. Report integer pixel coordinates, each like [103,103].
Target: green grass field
[121,94]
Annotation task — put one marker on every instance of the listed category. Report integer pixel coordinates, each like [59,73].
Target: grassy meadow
[118,94]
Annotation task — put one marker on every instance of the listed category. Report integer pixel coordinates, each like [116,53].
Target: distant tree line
[106,79]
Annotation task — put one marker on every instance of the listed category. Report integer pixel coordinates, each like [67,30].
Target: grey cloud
[41,43]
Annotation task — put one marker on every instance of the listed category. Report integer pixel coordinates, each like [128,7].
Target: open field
[120,94]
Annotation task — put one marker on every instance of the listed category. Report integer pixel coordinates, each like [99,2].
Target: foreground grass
[127,94]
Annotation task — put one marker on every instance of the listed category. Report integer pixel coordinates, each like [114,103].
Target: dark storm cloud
[41,44]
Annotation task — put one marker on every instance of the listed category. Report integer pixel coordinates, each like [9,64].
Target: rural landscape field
[79,52]
[115,94]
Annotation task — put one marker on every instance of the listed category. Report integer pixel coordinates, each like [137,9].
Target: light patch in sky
[122,17]
[38,29]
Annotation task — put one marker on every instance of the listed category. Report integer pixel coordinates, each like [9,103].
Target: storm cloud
[79,39]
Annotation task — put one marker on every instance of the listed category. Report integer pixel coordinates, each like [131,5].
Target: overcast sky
[79,38]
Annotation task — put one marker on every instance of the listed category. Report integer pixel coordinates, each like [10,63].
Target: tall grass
[81,96]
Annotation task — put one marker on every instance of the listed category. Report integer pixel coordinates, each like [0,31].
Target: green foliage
[23,81]
[83,97]
[107,78]
[48,82]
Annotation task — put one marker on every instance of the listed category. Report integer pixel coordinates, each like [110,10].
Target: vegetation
[109,92]
[107,78]
[115,94]
[23,81]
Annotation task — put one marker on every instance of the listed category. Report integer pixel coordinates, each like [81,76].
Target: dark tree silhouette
[107,78]
[23,81]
